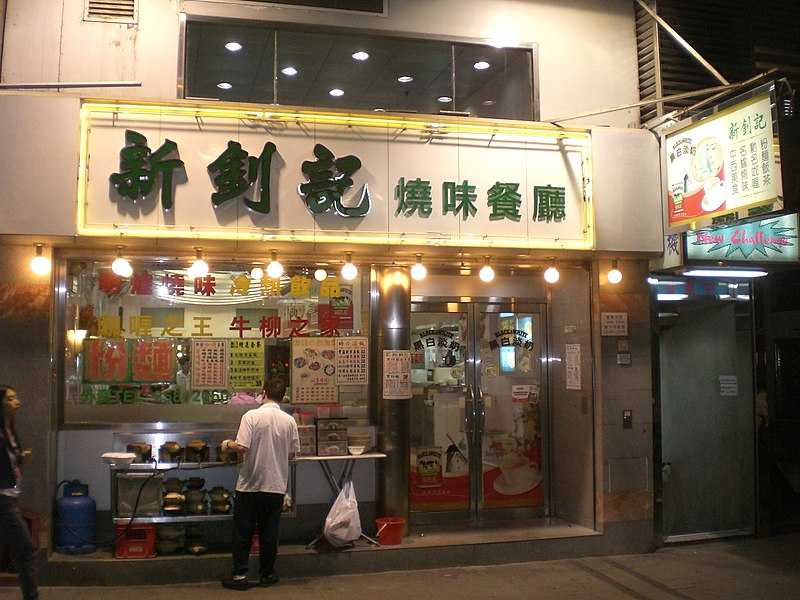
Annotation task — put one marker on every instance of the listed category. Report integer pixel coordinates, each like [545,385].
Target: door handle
[480,412]
[666,469]
[468,421]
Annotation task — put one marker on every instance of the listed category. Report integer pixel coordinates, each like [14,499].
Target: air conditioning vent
[117,11]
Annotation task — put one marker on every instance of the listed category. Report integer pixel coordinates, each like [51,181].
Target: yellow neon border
[443,125]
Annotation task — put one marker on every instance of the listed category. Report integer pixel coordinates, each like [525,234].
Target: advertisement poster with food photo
[313,370]
[722,164]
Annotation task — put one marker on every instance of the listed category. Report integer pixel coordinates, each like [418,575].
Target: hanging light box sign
[773,239]
[723,163]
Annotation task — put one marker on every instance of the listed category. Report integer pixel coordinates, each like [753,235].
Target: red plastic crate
[139,541]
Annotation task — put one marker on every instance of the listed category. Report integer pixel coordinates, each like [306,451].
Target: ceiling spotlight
[487,272]
[551,275]
[40,264]
[405,79]
[199,267]
[121,266]
[290,71]
[418,271]
[274,268]
[336,92]
[257,272]
[360,55]
[320,274]
[444,99]
[481,65]
[349,271]
[233,46]
[224,85]
[614,275]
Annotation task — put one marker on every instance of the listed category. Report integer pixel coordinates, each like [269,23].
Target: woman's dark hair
[3,391]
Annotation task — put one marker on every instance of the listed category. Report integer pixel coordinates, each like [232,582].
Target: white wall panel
[38,164]
[587,48]
[627,190]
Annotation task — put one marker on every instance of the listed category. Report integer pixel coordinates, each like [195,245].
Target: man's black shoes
[269,580]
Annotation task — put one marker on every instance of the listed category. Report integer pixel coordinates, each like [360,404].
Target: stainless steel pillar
[390,311]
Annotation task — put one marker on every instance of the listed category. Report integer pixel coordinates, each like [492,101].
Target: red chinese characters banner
[106,361]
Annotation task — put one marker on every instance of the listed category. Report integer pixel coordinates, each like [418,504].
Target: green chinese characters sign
[326,178]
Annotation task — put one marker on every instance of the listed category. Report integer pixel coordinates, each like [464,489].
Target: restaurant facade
[510,380]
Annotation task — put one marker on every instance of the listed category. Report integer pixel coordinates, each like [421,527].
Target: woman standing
[13,530]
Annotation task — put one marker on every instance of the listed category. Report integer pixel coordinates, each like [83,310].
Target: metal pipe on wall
[390,311]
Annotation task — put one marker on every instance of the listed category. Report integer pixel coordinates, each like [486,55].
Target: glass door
[478,410]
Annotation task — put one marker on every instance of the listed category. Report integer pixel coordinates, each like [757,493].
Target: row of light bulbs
[199,268]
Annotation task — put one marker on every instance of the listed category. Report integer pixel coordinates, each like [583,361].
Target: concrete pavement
[743,568]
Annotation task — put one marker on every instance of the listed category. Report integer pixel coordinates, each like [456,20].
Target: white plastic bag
[343,525]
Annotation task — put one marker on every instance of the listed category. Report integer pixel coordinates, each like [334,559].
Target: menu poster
[313,370]
[246,370]
[397,374]
[352,361]
[573,354]
[723,163]
[209,364]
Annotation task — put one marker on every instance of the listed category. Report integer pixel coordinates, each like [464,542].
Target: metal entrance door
[478,410]
[707,405]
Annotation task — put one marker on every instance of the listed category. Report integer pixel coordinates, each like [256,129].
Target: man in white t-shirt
[268,439]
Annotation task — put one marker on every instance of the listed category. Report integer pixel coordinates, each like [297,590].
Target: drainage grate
[118,11]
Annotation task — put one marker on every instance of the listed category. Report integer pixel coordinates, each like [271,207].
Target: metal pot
[195,483]
[142,450]
[174,499]
[219,494]
[196,547]
[196,451]
[173,484]
[168,546]
[170,452]
[195,495]
[221,507]
[197,508]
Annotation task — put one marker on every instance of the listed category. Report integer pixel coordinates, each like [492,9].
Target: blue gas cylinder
[75,520]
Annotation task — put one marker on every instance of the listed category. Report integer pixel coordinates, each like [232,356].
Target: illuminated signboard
[767,240]
[723,163]
[188,171]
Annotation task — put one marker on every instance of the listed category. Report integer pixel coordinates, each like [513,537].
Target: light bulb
[349,271]
[486,273]
[274,269]
[320,274]
[40,264]
[418,271]
[199,268]
[614,275]
[551,275]
[257,273]
[122,267]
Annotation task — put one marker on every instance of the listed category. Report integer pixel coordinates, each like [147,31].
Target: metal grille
[118,11]
[740,38]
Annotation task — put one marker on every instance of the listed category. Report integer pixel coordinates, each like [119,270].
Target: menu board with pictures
[352,360]
[209,364]
[313,370]
[246,370]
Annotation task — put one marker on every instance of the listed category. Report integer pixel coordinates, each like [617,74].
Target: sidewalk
[744,568]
